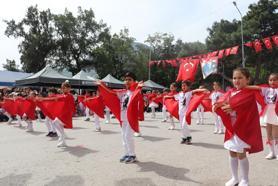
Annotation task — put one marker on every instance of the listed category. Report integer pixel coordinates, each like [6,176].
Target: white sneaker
[231,182]
[270,156]
[10,120]
[98,130]
[164,120]
[62,144]
[243,183]
[87,119]
[107,122]
[171,128]
[215,131]
[220,132]
[137,134]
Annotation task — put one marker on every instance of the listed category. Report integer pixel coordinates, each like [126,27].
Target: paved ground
[92,158]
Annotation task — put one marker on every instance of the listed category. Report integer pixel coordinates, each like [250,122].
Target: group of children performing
[237,110]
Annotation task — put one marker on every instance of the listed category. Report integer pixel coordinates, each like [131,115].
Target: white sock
[244,168]
[234,167]
[271,145]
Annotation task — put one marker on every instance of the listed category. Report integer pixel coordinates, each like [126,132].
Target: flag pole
[149,73]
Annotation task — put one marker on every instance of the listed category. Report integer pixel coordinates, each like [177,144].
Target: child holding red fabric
[128,109]
[173,92]
[61,112]
[269,117]
[239,113]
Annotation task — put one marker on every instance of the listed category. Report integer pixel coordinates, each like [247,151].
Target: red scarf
[247,124]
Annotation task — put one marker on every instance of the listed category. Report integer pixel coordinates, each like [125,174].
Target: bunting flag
[209,66]
[227,51]
[267,43]
[249,44]
[257,46]
[275,39]
[188,70]
[220,54]
[234,50]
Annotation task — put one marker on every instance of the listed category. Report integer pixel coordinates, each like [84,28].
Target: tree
[77,38]
[11,65]
[36,33]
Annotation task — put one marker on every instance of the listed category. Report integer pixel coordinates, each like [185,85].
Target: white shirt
[215,95]
[270,95]
[183,98]
[125,97]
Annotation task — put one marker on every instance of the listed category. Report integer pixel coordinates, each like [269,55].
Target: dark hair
[244,71]
[130,74]
[273,74]
[218,83]
[52,90]
[173,84]
[66,85]
[186,82]
[166,90]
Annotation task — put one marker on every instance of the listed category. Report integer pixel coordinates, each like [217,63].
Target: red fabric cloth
[187,70]
[19,106]
[172,106]
[96,105]
[28,108]
[158,99]
[62,108]
[194,102]
[206,103]
[80,99]
[10,106]
[111,100]
[247,124]
[221,54]
[133,110]
[227,51]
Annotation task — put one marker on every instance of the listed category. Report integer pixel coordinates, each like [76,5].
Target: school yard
[92,158]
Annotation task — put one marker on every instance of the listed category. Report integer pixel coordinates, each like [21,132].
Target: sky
[185,19]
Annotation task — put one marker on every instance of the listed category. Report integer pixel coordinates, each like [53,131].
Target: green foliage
[11,65]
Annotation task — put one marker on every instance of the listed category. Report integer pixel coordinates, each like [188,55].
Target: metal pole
[149,73]
[242,41]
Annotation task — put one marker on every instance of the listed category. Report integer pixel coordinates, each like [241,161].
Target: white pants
[153,112]
[164,112]
[87,112]
[19,120]
[218,123]
[49,124]
[200,114]
[29,125]
[97,121]
[107,116]
[60,130]
[184,127]
[127,137]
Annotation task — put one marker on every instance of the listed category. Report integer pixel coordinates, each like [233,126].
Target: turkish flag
[247,124]
[267,43]
[234,50]
[275,39]
[257,46]
[228,51]
[220,54]
[172,106]
[249,44]
[96,105]
[188,70]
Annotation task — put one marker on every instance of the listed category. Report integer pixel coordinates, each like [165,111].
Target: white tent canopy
[152,85]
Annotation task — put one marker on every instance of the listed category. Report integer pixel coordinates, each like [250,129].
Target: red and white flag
[257,45]
[188,70]
[267,43]
[234,50]
[275,39]
[221,54]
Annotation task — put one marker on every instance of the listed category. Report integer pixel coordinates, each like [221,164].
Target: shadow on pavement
[153,138]
[165,171]
[208,145]
[106,132]
[36,133]
[70,180]
[149,126]
[135,182]
[78,151]
[13,179]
